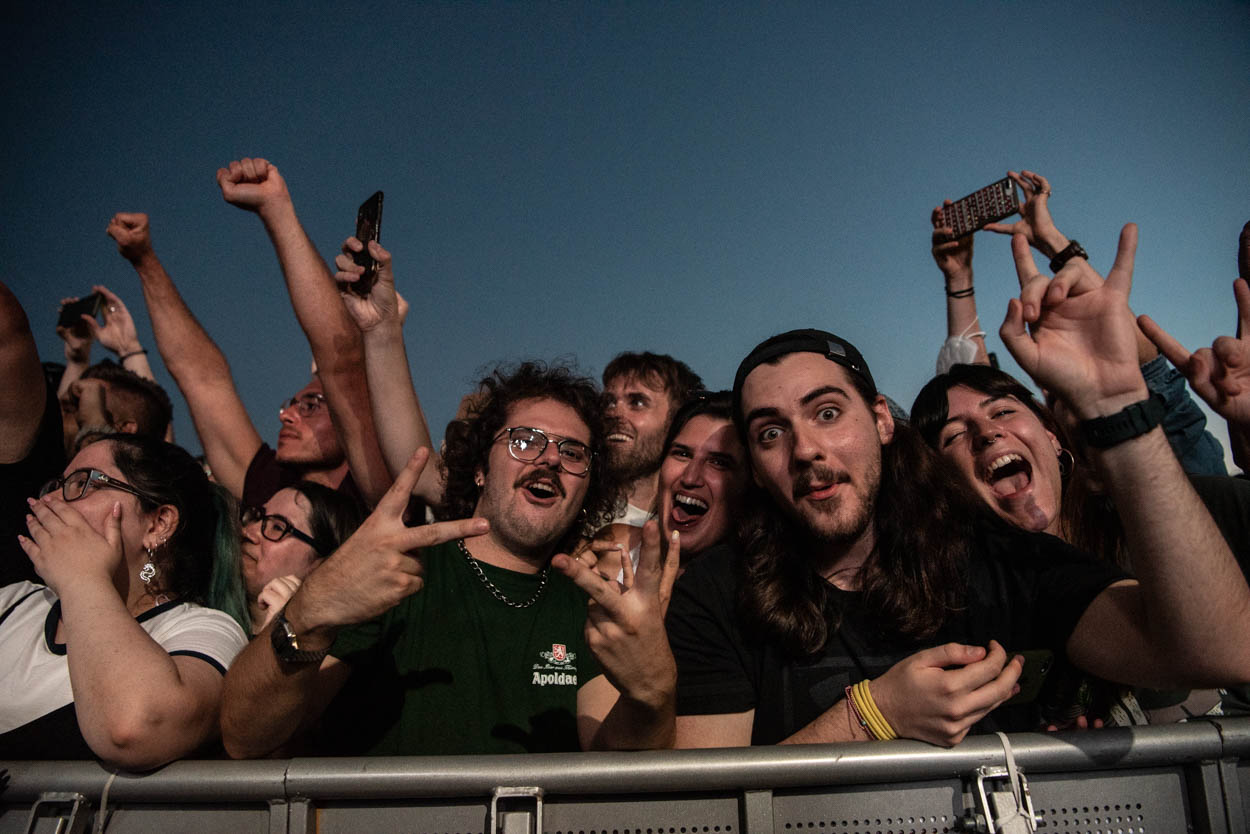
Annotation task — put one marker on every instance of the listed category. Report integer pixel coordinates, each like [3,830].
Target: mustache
[543,473]
[823,475]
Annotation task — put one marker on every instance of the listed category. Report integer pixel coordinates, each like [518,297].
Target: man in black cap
[874,598]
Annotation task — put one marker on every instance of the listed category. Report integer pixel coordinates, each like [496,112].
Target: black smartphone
[368,227]
[1037,665]
[72,313]
[988,205]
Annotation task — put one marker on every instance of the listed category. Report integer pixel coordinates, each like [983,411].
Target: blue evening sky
[578,179]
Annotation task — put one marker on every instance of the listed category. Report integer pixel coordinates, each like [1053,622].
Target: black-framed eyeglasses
[75,485]
[275,527]
[528,444]
[306,404]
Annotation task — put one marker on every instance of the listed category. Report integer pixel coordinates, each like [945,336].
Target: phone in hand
[368,227]
[72,313]
[1037,665]
[987,205]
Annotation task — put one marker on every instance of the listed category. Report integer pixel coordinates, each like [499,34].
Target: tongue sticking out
[1010,478]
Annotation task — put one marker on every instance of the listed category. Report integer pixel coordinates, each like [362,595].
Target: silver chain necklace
[494,590]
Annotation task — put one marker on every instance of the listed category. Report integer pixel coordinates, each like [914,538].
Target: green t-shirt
[451,669]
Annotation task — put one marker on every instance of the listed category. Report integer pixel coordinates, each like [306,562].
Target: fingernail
[675,537]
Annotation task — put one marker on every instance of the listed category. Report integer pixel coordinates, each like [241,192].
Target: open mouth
[687,508]
[1008,474]
[541,487]
[618,437]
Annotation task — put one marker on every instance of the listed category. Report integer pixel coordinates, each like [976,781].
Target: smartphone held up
[987,205]
[72,313]
[368,227]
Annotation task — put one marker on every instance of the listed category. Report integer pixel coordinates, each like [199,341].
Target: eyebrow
[981,404]
[807,399]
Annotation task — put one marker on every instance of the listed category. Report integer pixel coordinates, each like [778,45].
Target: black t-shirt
[22,480]
[1025,590]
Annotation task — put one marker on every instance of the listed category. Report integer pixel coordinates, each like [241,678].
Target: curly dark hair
[468,441]
[1087,517]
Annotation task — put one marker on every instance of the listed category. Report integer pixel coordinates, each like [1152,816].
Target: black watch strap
[286,643]
[1072,250]
[1134,421]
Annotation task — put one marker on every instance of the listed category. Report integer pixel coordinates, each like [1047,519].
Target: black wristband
[1072,250]
[967,292]
[125,356]
[1133,421]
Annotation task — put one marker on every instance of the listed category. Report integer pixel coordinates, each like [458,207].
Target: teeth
[539,486]
[1000,462]
[690,501]
[617,437]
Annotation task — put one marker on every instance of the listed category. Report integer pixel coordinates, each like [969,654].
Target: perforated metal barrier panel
[1181,778]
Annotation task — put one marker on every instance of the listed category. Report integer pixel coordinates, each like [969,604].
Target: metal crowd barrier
[1176,778]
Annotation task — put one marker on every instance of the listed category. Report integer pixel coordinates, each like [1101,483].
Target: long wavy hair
[1087,518]
[468,441]
[924,520]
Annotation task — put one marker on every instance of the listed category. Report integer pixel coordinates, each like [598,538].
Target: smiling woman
[703,475]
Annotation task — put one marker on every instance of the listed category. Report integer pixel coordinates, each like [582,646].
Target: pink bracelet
[854,710]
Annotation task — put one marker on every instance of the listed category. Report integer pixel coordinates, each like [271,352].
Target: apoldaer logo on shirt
[557,667]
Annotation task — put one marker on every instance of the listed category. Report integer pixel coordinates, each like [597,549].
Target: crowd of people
[629,563]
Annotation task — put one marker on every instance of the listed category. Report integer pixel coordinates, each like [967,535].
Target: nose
[692,475]
[251,531]
[609,405]
[550,456]
[288,416]
[806,450]
[984,435]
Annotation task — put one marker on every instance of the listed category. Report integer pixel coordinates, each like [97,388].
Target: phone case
[368,227]
[988,205]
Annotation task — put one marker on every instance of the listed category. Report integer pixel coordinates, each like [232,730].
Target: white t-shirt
[35,681]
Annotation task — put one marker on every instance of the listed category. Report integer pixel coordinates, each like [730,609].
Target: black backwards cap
[833,348]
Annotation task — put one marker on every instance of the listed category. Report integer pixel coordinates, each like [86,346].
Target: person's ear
[884,419]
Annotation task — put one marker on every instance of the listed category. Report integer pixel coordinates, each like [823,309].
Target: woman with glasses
[288,537]
[117,655]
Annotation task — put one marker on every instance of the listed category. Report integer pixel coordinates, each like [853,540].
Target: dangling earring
[1066,463]
[148,571]
[479,481]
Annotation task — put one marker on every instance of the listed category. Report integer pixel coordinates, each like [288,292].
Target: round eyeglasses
[305,404]
[75,485]
[527,445]
[275,527]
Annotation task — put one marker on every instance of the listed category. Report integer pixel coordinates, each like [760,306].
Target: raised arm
[119,335]
[954,258]
[380,319]
[1219,374]
[268,702]
[256,186]
[1184,620]
[195,362]
[21,376]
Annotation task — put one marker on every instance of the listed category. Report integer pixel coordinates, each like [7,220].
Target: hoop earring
[1067,462]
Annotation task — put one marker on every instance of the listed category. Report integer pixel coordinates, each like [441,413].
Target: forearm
[186,348]
[392,393]
[266,703]
[834,724]
[137,364]
[961,313]
[1195,599]
[335,343]
[21,377]
[132,705]
[73,371]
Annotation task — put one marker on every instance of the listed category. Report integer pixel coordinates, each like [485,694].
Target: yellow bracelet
[877,722]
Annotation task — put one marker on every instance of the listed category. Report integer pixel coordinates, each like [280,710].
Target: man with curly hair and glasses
[482,642]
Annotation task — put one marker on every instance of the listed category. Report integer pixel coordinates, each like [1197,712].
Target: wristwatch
[286,643]
[1072,250]
[1133,421]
